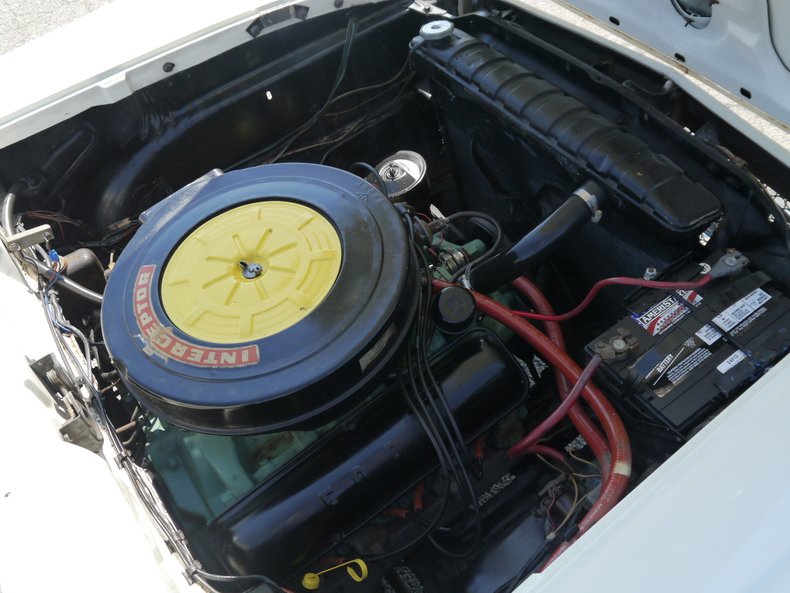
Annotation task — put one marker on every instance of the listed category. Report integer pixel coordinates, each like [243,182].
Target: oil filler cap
[454,309]
[263,299]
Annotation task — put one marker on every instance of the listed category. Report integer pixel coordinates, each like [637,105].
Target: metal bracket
[79,431]
[27,238]
[76,428]
[121,457]
[57,381]
[427,7]
[191,570]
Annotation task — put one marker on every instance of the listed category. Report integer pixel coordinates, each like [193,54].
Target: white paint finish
[118,49]
[68,520]
[712,519]
[735,50]
[771,134]
[779,15]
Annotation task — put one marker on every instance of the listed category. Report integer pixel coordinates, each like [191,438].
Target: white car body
[711,519]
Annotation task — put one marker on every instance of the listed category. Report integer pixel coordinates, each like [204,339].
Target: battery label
[667,312]
[730,361]
[681,370]
[737,312]
[676,366]
[708,334]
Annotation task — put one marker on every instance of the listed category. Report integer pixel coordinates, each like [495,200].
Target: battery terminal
[732,263]
[618,346]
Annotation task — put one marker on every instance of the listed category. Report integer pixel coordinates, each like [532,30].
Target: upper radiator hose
[540,242]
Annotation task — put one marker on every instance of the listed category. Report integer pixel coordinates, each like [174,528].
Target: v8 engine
[449,290]
[276,301]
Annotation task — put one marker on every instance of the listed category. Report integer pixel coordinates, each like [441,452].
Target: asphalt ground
[23,20]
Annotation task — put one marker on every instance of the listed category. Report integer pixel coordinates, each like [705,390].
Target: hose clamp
[591,200]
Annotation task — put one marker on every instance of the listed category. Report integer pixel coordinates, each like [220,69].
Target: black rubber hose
[541,241]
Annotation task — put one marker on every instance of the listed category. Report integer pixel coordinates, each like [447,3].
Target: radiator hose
[580,207]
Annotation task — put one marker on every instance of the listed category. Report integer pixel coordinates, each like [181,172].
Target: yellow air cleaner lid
[251,272]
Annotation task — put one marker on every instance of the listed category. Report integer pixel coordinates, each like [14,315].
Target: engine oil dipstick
[312,580]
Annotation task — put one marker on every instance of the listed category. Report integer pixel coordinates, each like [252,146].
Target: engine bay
[408,305]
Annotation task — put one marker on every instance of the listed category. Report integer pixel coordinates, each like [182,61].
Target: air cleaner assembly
[261,299]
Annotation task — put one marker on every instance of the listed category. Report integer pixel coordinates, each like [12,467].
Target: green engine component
[453,257]
[208,473]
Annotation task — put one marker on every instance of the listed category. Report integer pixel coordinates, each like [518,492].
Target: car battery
[680,354]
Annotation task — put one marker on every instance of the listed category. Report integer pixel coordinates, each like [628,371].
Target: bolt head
[252,271]
[619,345]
